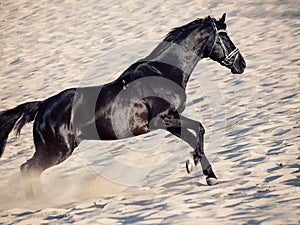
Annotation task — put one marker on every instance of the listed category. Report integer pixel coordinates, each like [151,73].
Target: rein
[227,61]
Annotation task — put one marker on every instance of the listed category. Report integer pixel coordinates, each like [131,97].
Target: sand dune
[252,120]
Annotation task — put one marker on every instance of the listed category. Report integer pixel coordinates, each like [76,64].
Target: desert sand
[252,120]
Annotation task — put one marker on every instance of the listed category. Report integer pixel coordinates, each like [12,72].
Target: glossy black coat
[149,95]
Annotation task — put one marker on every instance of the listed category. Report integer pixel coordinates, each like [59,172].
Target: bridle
[227,61]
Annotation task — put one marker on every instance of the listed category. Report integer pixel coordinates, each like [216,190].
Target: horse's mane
[175,32]
[184,31]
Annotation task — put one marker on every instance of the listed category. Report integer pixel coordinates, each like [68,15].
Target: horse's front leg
[180,127]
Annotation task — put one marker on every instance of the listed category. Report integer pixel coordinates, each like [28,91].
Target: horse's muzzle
[239,65]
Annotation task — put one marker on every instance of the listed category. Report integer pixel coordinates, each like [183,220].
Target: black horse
[149,95]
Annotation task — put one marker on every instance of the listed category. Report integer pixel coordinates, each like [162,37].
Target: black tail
[16,118]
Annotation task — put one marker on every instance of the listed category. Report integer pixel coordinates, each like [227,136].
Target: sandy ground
[252,120]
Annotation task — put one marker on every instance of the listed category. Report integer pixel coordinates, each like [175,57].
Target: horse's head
[222,49]
[206,38]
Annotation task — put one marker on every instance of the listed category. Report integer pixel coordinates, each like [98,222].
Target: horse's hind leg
[31,171]
[51,149]
[33,168]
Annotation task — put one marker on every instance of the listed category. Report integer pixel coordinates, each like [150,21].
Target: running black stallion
[149,95]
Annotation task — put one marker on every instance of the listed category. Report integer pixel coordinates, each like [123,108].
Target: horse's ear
[222,20]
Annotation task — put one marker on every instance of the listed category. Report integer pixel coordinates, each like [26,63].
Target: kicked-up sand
[252,120]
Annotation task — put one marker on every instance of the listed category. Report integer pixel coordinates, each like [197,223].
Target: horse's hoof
[189,165]
[211,181]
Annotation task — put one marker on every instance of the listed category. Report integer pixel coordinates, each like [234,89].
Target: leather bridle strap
[227,61]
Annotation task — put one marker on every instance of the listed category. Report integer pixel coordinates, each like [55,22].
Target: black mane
[179,33]
[174,34]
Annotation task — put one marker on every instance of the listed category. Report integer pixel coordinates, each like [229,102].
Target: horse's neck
[176,55]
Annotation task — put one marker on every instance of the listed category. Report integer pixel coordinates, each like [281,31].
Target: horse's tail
[15,119]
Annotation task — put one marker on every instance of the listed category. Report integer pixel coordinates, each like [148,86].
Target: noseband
[227,61]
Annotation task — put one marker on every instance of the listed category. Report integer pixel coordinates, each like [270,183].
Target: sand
[252,120]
